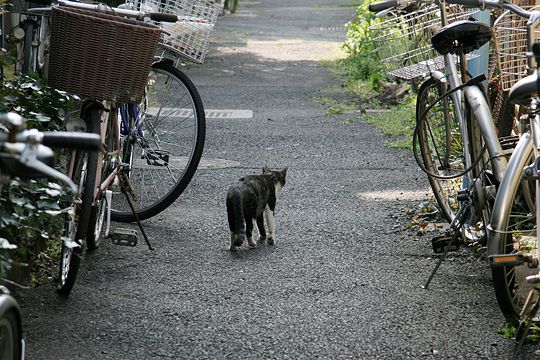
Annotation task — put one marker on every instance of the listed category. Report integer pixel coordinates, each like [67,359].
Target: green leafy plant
[362,62]
[43,107]
[32,213]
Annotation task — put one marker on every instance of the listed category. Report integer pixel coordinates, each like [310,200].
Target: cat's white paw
[252,243]
[234,248]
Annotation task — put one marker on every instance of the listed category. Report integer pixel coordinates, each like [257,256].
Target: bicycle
[513,249]
[138,128]
[23,154]
[171,103]
[455,141]
[11,336]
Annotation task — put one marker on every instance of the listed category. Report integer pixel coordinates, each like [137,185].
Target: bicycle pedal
[124,237]
[512,260]
[440,243]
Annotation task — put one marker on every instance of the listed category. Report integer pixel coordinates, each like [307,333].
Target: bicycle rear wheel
[83,168]
[440,145]
[443,156]
[106,161]
[162,142]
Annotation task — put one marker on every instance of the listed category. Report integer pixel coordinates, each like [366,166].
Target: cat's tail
[235,214]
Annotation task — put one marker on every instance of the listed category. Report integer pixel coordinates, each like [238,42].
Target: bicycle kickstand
[124,186]
[454,228]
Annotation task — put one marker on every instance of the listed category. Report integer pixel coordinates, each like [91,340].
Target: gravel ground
[344,279]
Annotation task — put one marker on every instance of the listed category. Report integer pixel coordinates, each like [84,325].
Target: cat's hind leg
[271,222]
[249,233]
[262,230]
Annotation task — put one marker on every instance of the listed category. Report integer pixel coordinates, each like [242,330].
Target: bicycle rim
[440,144]
[162,141]
[517,234]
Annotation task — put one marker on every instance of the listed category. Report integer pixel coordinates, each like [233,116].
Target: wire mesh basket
[100,56]
[403,40]
[511,47]
[190,36]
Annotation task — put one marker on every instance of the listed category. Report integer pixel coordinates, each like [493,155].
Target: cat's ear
[283,172]
[265,169]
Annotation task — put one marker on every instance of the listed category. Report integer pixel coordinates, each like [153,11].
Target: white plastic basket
[190,36]
[403,40]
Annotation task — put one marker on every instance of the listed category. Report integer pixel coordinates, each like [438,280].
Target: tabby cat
[253,198]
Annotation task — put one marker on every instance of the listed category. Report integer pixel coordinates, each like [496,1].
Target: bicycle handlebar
[482,4]
[163,17]
[72,140]
[138,14]
[56,139]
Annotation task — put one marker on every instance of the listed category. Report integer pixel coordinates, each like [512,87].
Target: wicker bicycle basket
[100,56]
[403,40]
[190,36]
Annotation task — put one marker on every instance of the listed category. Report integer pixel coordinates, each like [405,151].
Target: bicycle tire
[10,329]
[99,206]
[437,126]
[232,6]
[443,155]
[514,230]
[157,154]
[84,175]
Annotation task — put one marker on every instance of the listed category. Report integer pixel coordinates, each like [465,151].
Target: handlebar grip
[72,140]
[163,17]
[382,5]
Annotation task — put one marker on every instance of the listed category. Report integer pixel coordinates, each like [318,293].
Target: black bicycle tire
[12,315]
[434,182]
[93,240]
[181,185]
[234,6]
[83,214]
[477,150]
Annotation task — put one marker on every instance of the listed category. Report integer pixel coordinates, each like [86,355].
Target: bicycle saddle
[523,90]
[464,35]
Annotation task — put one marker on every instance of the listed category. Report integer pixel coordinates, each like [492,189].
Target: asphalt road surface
[344,279]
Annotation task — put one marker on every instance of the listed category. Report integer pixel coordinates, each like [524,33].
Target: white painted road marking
[210,113]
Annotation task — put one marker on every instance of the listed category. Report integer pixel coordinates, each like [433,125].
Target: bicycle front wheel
[514,231]
[162,142]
